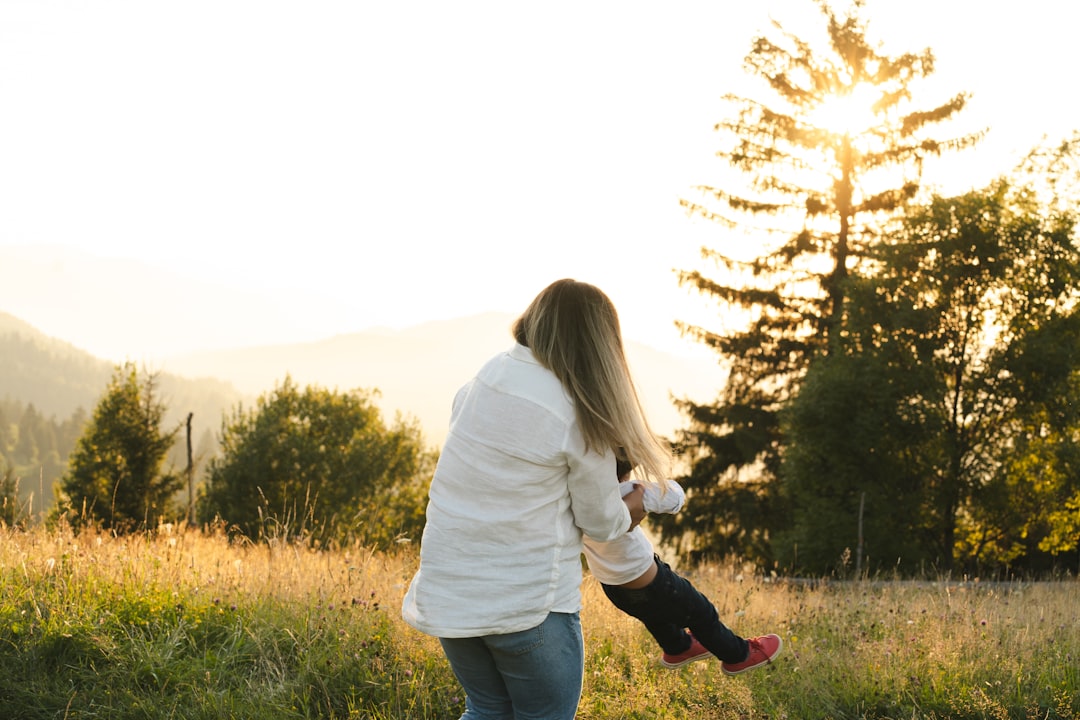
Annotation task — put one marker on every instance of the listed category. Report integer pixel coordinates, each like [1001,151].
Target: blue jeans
[670,604]
[531,674]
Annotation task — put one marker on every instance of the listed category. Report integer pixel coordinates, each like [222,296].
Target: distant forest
[34,449]
[48,388]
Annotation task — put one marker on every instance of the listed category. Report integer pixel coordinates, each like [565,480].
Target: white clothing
[668,498]
[629,556]
[513,491]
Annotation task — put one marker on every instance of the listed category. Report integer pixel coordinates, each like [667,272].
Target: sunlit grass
[187,625]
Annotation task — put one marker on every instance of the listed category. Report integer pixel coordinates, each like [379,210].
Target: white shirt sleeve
[594,498]
[667,499]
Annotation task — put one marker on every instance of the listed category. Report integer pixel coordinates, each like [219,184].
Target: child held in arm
[682,620]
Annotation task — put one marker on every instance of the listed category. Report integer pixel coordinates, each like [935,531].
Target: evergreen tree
[27,447]
[6,444]
[12,512]
[826,190]
[115,475]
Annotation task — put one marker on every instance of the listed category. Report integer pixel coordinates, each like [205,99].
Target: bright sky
[286,170]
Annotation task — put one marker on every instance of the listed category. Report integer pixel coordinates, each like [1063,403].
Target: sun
[850,113]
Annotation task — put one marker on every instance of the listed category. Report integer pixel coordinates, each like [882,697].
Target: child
[640,584]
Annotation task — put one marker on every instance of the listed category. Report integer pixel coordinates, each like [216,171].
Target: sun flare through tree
[822,168]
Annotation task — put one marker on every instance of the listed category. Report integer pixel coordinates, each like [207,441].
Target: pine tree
[12,511]
[826,187]
[115,475]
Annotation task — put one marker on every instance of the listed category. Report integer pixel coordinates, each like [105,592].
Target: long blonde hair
[573,330]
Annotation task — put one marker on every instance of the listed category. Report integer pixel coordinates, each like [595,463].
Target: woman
[525,470]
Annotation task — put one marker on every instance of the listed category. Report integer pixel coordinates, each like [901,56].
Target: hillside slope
[58,378]
[418,370]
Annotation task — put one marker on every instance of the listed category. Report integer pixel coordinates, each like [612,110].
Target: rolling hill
[416,372]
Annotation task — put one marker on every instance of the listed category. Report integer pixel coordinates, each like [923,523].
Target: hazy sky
[277,171]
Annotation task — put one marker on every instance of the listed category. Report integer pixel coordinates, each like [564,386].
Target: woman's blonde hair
[573,330]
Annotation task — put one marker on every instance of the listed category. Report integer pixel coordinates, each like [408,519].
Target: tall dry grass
[181,624]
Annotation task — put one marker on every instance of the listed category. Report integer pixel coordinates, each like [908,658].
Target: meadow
[183,624]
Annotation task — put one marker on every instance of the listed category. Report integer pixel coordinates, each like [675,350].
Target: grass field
[186,625]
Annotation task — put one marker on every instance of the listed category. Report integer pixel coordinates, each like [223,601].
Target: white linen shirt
[630,555]
[513,491]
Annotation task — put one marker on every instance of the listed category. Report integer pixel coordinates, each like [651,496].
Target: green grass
[186,625]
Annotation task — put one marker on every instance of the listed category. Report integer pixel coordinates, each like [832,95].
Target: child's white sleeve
[670,499]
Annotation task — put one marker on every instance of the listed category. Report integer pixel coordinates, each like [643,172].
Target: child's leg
[672,638]
[670,603]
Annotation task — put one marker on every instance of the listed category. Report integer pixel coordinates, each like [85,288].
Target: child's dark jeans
[668,606]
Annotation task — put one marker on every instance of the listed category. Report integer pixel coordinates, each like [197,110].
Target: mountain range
[415,371]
